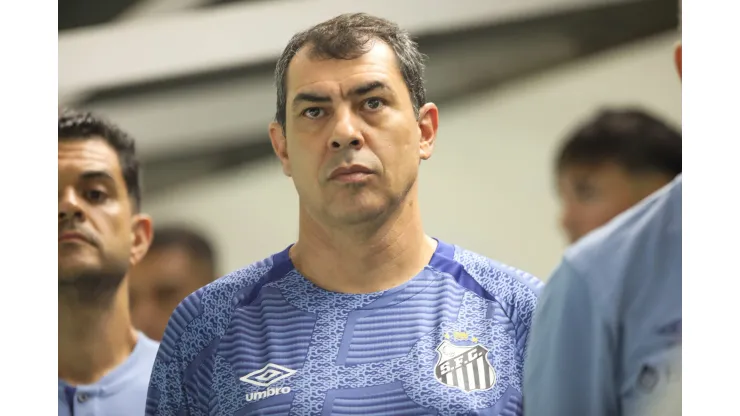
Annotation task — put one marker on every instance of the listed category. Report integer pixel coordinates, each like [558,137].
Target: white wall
[488,187]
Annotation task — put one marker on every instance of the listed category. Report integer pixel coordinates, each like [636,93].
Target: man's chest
[128,401]
[469,364]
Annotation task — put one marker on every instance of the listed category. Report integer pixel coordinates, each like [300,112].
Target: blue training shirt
[121,392]
[606,338]
[266,341]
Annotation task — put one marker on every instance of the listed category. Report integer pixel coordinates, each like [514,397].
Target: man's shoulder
[212,305]
[634,236]
[496,277]
[514,291]
[143,357]
[147,348]
[224,289]
[238,281]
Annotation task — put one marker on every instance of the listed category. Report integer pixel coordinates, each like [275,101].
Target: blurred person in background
[180,261]
[104,363]
[611,162]
[607,336]
[365,312]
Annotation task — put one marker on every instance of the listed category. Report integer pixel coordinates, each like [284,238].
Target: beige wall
[488,187]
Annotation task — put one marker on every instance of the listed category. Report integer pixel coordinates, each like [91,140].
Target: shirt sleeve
[569,368]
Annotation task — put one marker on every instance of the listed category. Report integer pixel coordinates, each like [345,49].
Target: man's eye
[313,112]
[96,195]
[374,104]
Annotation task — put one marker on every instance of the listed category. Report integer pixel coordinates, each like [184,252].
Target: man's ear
[142,233]
[428,124]
[280,146]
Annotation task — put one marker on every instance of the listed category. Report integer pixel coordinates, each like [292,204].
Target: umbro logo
[266,377]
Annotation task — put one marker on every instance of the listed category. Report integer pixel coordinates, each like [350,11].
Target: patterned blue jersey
[266,341]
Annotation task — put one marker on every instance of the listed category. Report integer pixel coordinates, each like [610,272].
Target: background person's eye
[586,192]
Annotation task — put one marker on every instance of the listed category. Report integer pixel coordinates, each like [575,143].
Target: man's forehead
[93,149]
[307,71]
[593,167]
[579,170]
[601,173]
[173,256]
[84,155]
[172,265]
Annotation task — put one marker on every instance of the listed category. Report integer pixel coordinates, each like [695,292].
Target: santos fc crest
[465,367]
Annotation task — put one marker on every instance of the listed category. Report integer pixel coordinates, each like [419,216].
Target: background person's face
[160,282]
[591,196]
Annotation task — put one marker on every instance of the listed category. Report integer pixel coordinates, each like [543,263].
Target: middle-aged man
[365,314]
[104,363]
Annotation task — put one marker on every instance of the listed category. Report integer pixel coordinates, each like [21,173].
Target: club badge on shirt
[465,366]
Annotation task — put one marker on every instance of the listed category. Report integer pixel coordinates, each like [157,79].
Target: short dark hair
[349,36]
[78,125]
[178,236]
[629,137]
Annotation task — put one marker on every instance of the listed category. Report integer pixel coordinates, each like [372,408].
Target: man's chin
[358,215]
[90,284]
[72,275]
[71,269]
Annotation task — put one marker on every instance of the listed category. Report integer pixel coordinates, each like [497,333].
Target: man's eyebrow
[311,98]
[360,90]
[369,87]
[97,174]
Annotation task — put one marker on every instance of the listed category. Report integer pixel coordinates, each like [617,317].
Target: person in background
[610,163]
[104,363]
[607,338]
[179,262]
[365,314]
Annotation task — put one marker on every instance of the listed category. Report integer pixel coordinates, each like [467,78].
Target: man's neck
[357,261]
[93,339]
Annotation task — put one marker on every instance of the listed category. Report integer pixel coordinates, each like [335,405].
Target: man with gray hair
[365,314]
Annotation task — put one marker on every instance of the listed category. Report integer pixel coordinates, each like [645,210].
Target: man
[612,162]
[606,338]
[179,262]
[365,313]
[104,364]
